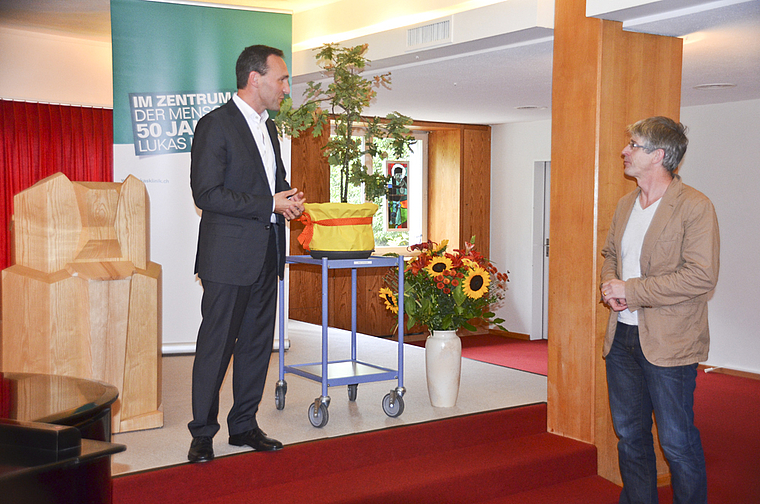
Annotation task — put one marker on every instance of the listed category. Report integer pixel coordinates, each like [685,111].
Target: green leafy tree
[344,100]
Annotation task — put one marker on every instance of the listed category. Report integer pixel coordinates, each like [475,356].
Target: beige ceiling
[494,81]
[93,17]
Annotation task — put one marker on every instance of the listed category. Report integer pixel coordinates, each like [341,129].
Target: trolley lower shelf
[350,372]
[343,372]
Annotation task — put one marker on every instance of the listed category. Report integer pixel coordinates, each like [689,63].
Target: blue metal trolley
[349,372]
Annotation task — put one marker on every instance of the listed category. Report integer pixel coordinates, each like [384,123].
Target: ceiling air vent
[428,35]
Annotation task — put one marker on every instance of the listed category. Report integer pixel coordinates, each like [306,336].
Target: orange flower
[455,290]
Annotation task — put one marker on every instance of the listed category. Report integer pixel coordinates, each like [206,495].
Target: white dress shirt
[257,125]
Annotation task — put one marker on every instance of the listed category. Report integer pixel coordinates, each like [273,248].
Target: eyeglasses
[634,145]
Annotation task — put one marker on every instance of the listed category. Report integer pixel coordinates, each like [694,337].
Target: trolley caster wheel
[279,396]
[352,391]
[393,408]
[319,417]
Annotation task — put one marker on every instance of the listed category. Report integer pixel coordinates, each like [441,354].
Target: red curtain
[38,140]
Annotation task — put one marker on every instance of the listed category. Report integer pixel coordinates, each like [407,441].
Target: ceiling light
[715,85]
[529,107]
[693,37]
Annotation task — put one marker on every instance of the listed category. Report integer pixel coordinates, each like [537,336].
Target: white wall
[53,68]
[721,162]
[514,149]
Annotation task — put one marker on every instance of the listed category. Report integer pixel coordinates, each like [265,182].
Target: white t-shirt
[633,239]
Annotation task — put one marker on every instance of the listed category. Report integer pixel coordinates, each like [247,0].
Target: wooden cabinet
[459,191]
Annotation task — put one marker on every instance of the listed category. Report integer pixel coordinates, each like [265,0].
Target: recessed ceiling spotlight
[715,85]
[529,107]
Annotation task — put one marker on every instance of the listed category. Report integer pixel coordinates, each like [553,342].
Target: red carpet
[499,457]
[490,457]
[525,355]
[726,410]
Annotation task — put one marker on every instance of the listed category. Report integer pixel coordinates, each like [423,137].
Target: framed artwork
[396,218]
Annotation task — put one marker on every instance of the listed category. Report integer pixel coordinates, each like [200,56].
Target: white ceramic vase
[443,365]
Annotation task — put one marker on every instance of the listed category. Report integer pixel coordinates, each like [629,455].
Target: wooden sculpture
[82,297]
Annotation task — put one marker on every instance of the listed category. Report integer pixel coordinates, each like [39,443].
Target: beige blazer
[680,259]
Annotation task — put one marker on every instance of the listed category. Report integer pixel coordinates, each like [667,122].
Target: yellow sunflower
[391,303]
[476,283]
[438,265]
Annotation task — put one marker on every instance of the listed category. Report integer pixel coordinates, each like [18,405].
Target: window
[401,219]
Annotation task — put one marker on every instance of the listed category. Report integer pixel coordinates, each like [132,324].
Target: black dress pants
[238,323]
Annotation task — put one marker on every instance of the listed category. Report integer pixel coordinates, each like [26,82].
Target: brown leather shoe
[201,449]
[256,439]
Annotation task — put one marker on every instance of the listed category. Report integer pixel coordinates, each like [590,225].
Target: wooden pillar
[603,79]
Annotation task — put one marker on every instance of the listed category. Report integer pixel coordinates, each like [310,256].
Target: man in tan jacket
[661,261]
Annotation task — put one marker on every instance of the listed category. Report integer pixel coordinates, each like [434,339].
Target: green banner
[174,63]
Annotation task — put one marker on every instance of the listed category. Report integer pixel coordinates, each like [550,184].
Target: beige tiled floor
[483,387]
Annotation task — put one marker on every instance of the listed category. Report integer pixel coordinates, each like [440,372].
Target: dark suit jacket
[230,186]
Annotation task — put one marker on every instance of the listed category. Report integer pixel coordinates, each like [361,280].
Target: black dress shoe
[201,449]
[256,439]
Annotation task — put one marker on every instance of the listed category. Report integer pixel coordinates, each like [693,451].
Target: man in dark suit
[238,181]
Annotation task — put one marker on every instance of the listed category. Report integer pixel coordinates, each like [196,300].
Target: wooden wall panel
[340,299]
[604,79]
[475,205]
[310,172]
[459,174]
[444,185]
[372,317]
[305,294]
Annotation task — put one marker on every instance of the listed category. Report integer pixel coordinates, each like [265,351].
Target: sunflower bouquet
[446,291]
